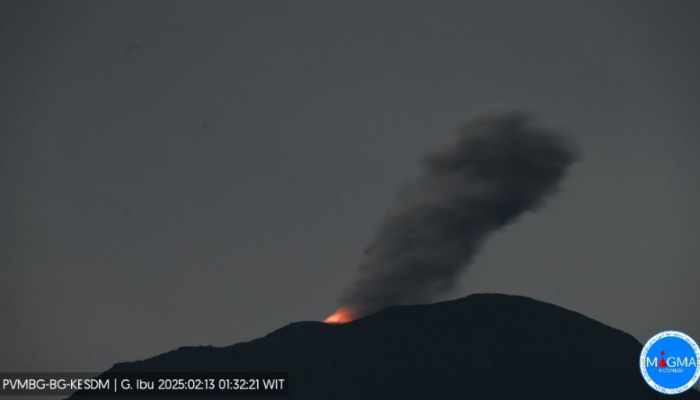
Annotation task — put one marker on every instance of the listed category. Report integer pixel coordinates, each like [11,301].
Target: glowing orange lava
[341,316]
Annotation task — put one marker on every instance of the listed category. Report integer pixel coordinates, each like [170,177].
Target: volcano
[485,346]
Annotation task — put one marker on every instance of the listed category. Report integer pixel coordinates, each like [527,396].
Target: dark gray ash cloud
[499,168]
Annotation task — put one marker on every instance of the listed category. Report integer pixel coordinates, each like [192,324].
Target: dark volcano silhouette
[484,346]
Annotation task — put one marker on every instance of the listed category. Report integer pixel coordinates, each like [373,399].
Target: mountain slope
[479,347]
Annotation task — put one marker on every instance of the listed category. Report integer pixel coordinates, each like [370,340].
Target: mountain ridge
[483,346]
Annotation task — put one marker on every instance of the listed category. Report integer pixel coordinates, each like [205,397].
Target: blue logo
[669,362]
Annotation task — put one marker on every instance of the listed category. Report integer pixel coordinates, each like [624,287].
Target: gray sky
[184,173]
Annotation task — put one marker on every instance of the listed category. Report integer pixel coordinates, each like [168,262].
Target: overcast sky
[192,173]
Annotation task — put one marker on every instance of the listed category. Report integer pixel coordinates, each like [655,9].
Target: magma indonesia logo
[669,362]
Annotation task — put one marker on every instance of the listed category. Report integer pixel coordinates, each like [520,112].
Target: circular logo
[669,362]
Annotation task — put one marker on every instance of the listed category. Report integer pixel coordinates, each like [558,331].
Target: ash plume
[498,168]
